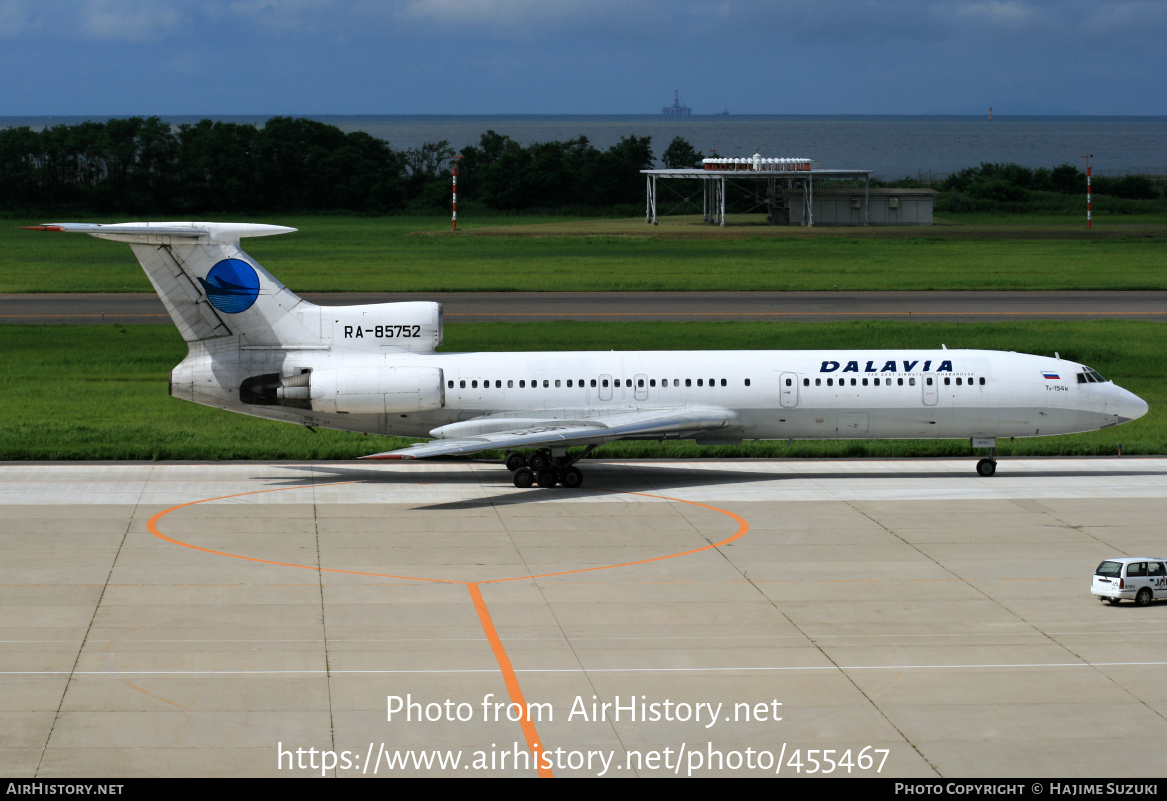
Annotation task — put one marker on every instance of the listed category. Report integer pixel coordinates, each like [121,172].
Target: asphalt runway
[902,618]
[89,309]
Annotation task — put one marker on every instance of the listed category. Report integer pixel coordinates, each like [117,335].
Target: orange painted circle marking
[497,649]
[152,526]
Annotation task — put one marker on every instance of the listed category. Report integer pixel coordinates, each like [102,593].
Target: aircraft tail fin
[209,286]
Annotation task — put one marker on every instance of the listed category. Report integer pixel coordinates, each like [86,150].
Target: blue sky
[121,57]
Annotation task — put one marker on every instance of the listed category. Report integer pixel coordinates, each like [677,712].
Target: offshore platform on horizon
[677,109]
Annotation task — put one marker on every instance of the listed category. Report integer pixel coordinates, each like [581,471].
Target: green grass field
[100,392]
[419,254]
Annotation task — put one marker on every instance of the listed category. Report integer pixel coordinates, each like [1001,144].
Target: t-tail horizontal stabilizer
[209,286]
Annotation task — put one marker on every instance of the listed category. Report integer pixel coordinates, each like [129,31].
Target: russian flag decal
[1049,375]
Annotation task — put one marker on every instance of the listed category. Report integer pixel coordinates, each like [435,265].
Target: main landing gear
[545,469]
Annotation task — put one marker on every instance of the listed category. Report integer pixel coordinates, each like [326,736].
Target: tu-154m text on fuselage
[257,348]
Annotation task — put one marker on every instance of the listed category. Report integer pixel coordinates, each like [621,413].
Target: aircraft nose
[1129,406]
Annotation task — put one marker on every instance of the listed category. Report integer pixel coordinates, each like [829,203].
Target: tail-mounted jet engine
[364,390]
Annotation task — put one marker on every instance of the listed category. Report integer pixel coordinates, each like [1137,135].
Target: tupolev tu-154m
[257,348]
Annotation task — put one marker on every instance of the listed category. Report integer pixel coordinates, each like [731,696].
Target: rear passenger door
[1136,577]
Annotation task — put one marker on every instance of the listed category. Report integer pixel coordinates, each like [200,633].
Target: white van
[1141,579]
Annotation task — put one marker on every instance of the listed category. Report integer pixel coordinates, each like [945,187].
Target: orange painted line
[508,675]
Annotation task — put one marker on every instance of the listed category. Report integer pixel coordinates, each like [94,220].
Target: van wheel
[1143,598]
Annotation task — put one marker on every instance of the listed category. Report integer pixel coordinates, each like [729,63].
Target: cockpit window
[1090,377]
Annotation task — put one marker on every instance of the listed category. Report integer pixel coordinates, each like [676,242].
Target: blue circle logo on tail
[232,286]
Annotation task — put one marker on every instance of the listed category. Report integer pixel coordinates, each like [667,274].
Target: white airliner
[257,348]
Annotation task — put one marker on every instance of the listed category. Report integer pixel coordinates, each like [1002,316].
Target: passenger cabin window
[688,382]
[806,382]
[723,382]
[747,382]
[462,384]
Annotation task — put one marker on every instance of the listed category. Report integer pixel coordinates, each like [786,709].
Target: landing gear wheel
[547,478]
[986,467]
[571,478]
[524,477]
[539,461]
[1143,597]
[515,460]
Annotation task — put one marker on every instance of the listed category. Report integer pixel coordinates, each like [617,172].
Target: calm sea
[893,147]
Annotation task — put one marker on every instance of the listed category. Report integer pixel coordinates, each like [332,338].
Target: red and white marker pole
[454,194]
[1087,158]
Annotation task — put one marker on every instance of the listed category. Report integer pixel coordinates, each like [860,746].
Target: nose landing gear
[986,467]
[545,469]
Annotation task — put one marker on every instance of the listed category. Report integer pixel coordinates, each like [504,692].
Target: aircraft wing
[574,432]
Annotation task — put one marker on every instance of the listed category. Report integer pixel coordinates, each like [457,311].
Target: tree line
[144,166]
